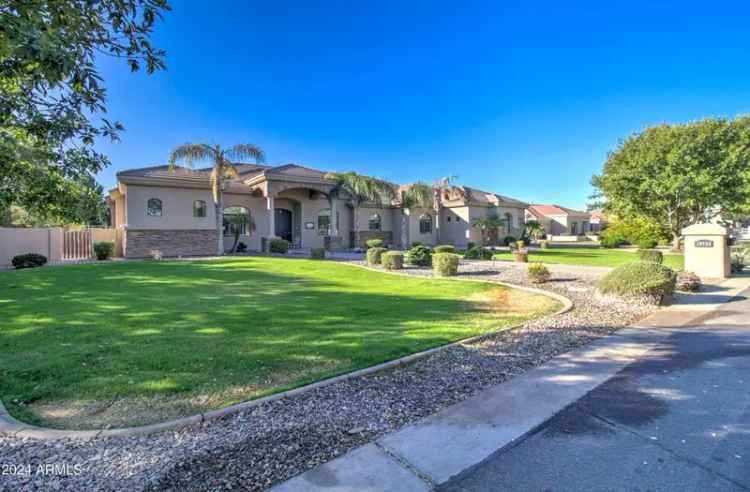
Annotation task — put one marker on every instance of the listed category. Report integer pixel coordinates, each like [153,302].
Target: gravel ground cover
[273,442]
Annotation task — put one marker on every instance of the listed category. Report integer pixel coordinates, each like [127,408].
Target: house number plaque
[704,243]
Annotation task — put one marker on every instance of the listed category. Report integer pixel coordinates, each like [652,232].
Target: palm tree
[361,189]
[488,224]
[438,187]
[418,195]
[533,229]
[238,222]
[223,161]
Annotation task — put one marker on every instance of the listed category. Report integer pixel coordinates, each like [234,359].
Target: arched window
[153,207]
[199,208]
[508,221]
[375,223]
[425,224]
[237,219]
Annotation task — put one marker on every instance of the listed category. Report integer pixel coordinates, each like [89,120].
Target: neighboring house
[172,211]
[560,222]
[597,222]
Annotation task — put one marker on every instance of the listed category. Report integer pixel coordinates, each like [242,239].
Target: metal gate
[77,245]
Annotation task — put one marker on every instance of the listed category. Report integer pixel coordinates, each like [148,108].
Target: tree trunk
[356,226]
[219,219]
[676,242]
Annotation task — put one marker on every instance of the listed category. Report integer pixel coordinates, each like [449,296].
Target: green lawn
[124,343]
[590,256]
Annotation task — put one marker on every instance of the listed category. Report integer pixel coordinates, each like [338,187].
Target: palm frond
[190,153]
[364,188]
[241,152]
[419,195]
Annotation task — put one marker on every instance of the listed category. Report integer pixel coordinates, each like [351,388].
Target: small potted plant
[520,253]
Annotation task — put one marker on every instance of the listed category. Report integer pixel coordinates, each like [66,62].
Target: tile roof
[542,209]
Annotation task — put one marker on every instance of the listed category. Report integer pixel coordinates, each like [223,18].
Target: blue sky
[520,98]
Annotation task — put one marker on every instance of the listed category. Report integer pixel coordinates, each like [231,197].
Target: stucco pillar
[706,250]
[334,224]
[271,217]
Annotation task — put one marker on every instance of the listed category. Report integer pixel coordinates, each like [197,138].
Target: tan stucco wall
[177,208]
[386,217]
[460,232]
[18,241]
[414,234]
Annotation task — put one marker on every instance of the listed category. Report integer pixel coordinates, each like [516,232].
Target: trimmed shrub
[444,248]
[538,273]
[470,245]
[241,247]
[544,244]
[445,264]
[508,240]
[318,253]
[374,254]
[478,253]
[419,255]
[688,282]
[392,260]
[611,241]
[416,243]
[280,246]
[28,260]
[647,243]
[639,231]
[520,244]
[639,279]
[103,249]
[651,255]
[374,243]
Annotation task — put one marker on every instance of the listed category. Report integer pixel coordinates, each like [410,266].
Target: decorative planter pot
[521,256]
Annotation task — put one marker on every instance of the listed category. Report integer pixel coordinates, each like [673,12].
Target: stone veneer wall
[364,236]
[194,242]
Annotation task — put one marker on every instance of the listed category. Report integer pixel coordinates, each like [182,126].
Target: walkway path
[674,381]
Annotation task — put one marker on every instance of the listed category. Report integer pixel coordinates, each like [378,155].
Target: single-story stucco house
[559,222]
[171,210]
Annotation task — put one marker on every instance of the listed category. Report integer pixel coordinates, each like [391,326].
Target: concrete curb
[9,426]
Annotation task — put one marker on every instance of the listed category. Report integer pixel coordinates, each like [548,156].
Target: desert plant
[520,244]
[392,260]
[419,255]
[534,229]
[374,243]
[28,260]
[688,282]
[318,253]
[444,248]
[651,255]
[445,264]
[645,279]
[279,246]
[538,273]
[223,163]
[103,249]
[478,253]
[374,254]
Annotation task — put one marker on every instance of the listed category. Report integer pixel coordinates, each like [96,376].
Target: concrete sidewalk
[425,455]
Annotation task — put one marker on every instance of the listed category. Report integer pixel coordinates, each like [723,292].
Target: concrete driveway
[676,419]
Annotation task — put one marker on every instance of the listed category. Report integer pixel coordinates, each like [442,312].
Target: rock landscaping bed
[275,441]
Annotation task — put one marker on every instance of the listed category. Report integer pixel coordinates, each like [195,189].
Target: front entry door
[283,222]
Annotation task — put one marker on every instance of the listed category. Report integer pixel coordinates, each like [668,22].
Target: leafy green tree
[675,175]
[223,163]
[360,189]
[52,97]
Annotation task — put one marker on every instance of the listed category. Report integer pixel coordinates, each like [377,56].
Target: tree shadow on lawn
[161,329]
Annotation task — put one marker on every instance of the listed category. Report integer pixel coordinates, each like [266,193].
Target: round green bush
[392,260]
[279,246]
[28,260]
[652,255]
[538,273]
[508,240]
[241,247]
[478,253]
[646,243]
[611,241]
[318,253]
[470,245]
[103,249]
[419,255]
[639,279]
[374,243]
[416,243]
[444,248]
[445,264]
[374,254]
